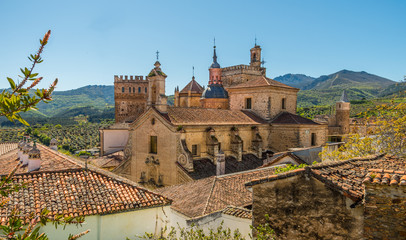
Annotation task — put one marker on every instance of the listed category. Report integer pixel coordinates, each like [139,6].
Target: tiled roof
[386,177]
[78,193]
[63,186]
[192,86]
[204,167]
[50,161]
[261,82]
[289,118]
[204,196]
[7,147]
[344,176]
[206,116]
[238,212]
[278,156]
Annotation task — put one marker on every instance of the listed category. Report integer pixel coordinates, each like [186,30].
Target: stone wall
[266,101]
[218,103]
[385,211]
[234,75]
[301,207]
[285,136]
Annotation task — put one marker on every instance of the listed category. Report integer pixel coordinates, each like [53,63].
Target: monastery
[230,126]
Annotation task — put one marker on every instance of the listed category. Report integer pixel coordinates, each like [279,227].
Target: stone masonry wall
[385,211]
[301,207]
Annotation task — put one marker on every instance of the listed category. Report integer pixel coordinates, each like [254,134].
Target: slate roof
[206,116]
[208,195]
[289,118]
[63,186]
[261,82]
[238,212]
[344,176]
[386,177]
[192,86]
[204,167]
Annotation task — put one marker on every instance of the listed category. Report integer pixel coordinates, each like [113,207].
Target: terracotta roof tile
[201,197]
[192,86]
[261,81]
[278,156]
[289,118]
[206,116]
[385,177]
[78,193]
[238,212]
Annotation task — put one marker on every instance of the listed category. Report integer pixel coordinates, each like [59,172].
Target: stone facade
[385,211]
[300,207]
[130,97]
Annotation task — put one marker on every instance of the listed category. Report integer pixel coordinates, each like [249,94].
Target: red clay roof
[201,197]
[238,212]
[386,177]
[343,176]
[261,82]
[192,86]
[208,116]
[289,118]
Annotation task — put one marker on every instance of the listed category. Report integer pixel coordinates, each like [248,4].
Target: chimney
[220,163]
[34,158]
[21,144]
[53,144]
[24,154]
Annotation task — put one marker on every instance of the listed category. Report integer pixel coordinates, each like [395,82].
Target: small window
[145,90]
[133,90]
[122,89]
[153,146]
[313,139]
[129,90]
[283,103]
[248,103]
[139,89]
[194,150]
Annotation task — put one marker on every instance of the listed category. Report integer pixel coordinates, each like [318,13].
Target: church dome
[215,91]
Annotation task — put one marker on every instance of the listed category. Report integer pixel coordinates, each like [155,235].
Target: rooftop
[204,196]
[386,177]
[289,118]
[261,82]
[193,87]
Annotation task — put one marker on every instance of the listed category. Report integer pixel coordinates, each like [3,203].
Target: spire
[215,63]
[344,97]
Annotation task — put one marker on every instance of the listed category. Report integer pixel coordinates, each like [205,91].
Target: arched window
[139,89]
[254,57]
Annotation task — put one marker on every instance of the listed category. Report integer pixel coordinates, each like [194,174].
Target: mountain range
[97,101]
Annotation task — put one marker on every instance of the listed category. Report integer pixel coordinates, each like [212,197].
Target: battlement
[129,78]
[241,66]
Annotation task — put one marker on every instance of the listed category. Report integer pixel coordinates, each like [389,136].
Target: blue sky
[92,41]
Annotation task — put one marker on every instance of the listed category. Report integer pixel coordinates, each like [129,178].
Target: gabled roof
[344,176]
[204,196]
[289,118]
[192,86]
[204,167]
[261,81]
[209,116]
[278,156]
[64,186]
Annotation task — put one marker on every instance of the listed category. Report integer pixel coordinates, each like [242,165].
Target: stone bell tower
[156,84]
[255,56]
[343,114]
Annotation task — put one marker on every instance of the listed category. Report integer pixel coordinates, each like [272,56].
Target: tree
[388,135]
[19,99]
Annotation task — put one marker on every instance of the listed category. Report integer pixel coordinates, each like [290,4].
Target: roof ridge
[211,193]
[338,162]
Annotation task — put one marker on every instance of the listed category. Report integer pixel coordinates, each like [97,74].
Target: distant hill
[295,80]
[349,79]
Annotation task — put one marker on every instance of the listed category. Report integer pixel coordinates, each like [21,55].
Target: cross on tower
[193,69]
[157,55]
[255,40]
[263,62]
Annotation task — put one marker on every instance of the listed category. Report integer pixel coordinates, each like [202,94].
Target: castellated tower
[130,97]
[156,83]
[343,114]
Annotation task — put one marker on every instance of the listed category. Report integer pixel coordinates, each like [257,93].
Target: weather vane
[157,55]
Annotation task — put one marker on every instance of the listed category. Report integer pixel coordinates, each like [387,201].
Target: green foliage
[264,231]
[288,167]
[18,98]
